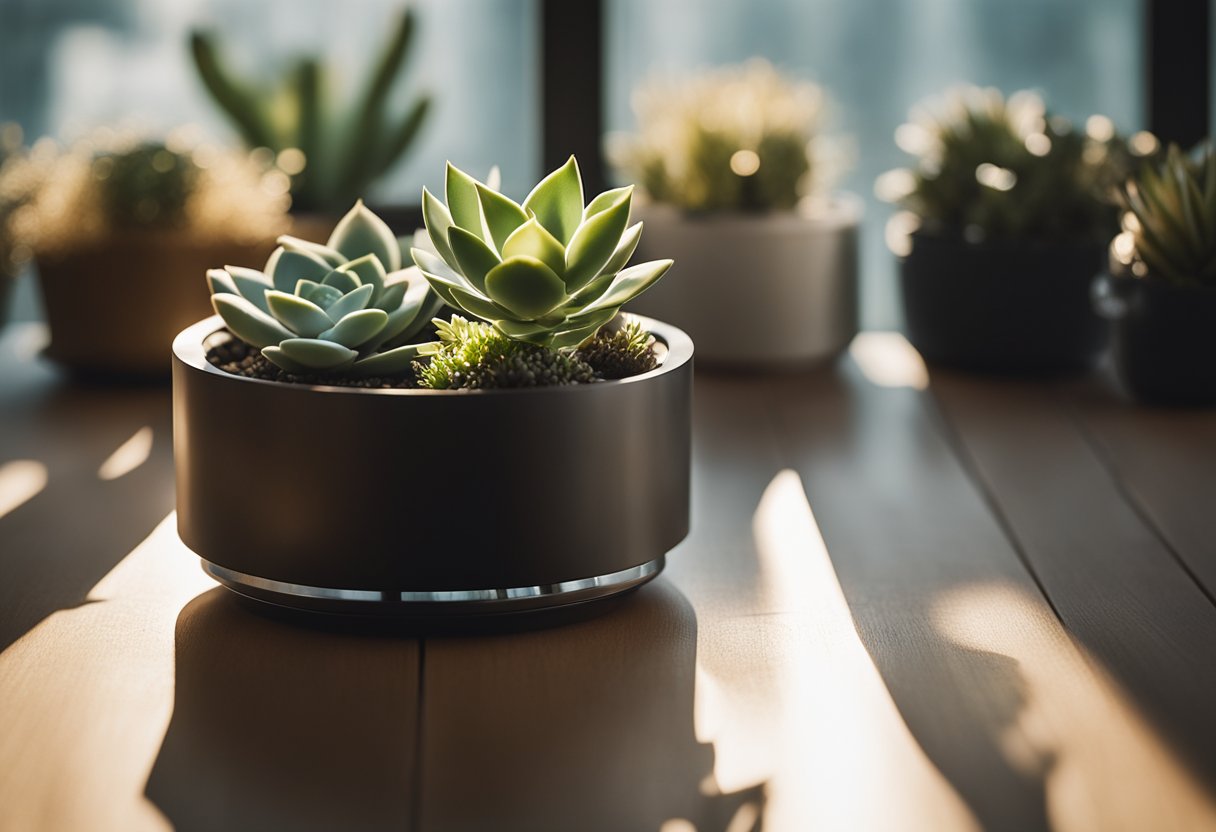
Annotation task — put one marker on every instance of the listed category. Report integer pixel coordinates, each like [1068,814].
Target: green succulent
[548,272]
[345,306]
[147,186]
[344,152]
[474,355]
[1174,205]
[991,167]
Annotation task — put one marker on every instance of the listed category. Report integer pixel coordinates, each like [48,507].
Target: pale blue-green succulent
[550,271]
[346,306]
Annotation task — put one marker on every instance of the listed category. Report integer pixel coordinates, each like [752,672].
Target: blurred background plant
[333,155]
[1169,230]
[736,138]
[994,167]
[11,149]
[113,182]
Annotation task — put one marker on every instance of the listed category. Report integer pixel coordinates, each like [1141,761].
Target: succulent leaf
[369,270]
[502,215]
[343,281]
[482,307]
[220,282]
[280,359]
[463,202]
[557,201]
[291,266]
[247,322]
[331,256]
[361,232]
[624,250]
[316,354]
[353,301]
[532,240]
[303,317]
[357,328]
[596,240]
[322,295]
[391,297]
[438,221]
[474,256]
[388,363]
[525,286]
[631,282]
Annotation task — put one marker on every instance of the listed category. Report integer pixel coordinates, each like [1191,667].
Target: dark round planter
[421,503]
[115,308]
[1003,306]
[1164,342]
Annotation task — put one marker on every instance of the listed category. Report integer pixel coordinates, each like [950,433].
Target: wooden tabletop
[910,601]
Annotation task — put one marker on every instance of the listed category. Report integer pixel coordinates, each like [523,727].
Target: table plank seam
[971,470]
[1127,493]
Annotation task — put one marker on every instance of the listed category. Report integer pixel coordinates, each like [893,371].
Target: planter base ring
[469,603]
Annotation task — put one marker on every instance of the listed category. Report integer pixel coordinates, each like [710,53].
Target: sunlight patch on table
[128,456]
[1104,766]
[814,719]
[886,359]
[88,694]
[20,481]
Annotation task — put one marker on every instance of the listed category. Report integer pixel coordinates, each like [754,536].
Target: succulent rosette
[549,272]
[343,306]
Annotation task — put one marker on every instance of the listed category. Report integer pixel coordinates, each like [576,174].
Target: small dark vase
[1164,338]
[1003,306]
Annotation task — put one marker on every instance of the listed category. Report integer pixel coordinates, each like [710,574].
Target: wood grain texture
[985,676]
[1164,460]
[1113,582]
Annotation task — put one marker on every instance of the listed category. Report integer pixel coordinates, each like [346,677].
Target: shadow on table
[583,727]
[57,546]
[873,481]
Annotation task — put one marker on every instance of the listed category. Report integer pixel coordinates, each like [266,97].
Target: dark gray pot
[422,503]
[1003,306]
[1165,338]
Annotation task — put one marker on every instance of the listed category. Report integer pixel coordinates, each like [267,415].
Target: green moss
[629,351]
[474,355]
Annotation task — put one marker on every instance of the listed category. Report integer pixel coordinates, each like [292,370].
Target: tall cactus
[344,152]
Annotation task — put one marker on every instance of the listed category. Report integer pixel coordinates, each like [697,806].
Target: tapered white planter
[757,290]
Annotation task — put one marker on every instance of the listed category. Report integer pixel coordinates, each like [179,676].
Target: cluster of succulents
[539,279]
[333,157]
[111,182]
[740,138]
[549,272]
[995,167]
[345,306]
[1170,224]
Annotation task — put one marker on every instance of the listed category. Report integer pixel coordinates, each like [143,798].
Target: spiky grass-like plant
[338,154]
[1172,230]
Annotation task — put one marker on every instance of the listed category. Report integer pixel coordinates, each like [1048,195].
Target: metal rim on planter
[439,603]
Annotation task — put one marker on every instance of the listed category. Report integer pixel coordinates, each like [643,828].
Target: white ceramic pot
[762,290]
